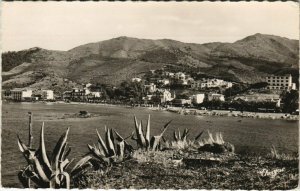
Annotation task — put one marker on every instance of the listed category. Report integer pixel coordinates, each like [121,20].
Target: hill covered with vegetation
[112,61]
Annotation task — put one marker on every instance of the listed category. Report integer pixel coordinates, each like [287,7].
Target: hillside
[112,61]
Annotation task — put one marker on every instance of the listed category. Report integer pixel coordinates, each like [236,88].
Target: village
[161,88]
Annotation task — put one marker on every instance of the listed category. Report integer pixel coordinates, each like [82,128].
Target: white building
[280,82]
[198,98]
[275,98]
[180,76]
[21,94]
[94,96]
[47,95]
[164,81]
[88,85]
[150,88]
[136,80]
[196,84]
[165,95]
[210,83]
[216,97]
[169,74]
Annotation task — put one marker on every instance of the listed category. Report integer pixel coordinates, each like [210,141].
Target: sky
[65,25]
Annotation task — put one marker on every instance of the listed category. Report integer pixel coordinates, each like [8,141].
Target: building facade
[280,82]
[150,88]
[21,94]
[274,98]
[47,95]
[216,97]
[198,98]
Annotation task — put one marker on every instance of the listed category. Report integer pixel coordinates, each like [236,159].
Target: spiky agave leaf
[28,173]
[120,138]
[155,140]
[31,157]
[94,151]
[43,148]
[199,135]
[140,136]
[110,144]
[148,133]
[102,144]
[175,136]
[80,163]
[59,148]
[140,139]
[67,179]
[185,134]
[23,179]
[121,150]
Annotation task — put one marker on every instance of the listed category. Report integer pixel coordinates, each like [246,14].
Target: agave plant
[143,139]
[181,141]
[178,137]
[47,172]
[112,149]
[215,144]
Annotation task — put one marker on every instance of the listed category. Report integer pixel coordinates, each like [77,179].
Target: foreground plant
[181,142]
[215,144]
[143,139]
[47,172]
[109,152]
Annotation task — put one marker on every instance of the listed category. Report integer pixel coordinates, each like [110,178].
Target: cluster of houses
[166,96]
[23,94]
[182,79]
[158,91]
[86,94]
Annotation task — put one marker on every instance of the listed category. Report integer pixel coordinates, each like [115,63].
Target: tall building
[21,94]
[280,82]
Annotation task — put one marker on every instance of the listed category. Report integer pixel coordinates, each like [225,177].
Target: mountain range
[112,61]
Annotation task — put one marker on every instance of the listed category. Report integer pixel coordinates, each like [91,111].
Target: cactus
[42,171]
[109,152]
[143,140]
[183,137]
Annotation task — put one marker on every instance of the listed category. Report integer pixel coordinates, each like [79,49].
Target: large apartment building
[21,94]
[280,82]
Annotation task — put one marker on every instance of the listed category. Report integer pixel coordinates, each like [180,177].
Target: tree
[290,101]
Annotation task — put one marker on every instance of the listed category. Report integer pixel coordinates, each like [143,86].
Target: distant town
[163,88]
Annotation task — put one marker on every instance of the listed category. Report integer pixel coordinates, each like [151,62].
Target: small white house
[88,85]
[165,95]
[164,81]
[150,88]
[136,79]
[216,97]
[47,95]
[180,76]
[198,98]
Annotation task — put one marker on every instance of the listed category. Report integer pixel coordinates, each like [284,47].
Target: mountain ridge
[117,59]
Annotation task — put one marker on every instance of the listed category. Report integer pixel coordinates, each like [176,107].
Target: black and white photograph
[150,95]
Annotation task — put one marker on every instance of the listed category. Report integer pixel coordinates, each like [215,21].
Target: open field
[248,135]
